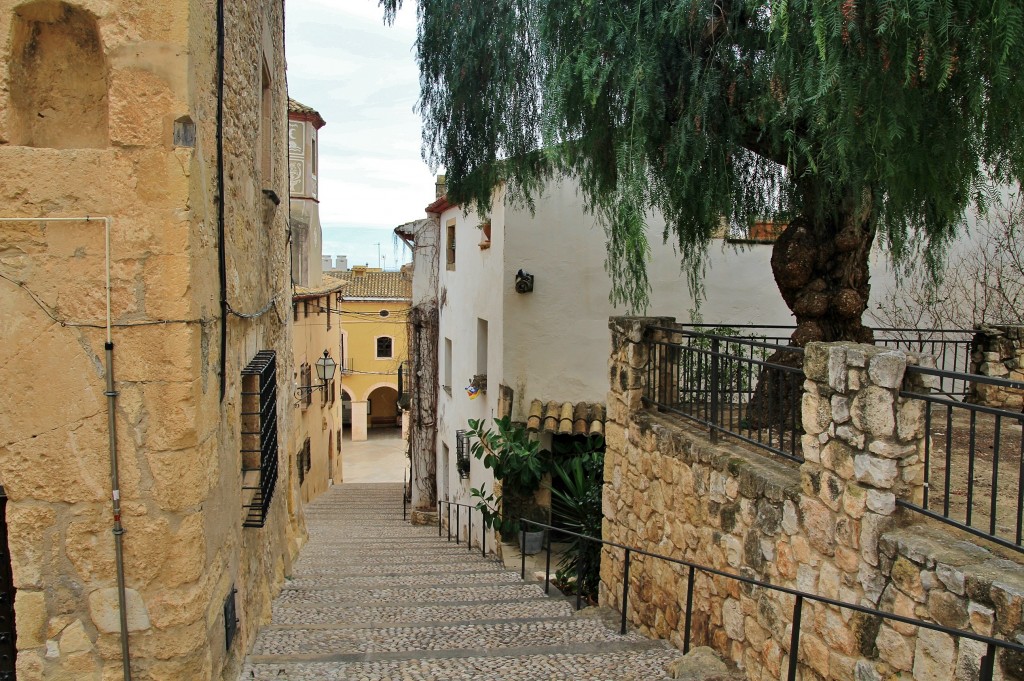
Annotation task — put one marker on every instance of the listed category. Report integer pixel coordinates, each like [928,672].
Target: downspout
[115,485]
[221,254]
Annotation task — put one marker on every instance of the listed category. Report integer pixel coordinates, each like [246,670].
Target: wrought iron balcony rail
[973,462]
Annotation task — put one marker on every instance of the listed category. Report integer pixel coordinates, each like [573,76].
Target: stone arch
[383,405]
[58,78]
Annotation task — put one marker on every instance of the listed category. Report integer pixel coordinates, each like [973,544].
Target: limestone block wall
[829,526]
[998,351]
[144,153]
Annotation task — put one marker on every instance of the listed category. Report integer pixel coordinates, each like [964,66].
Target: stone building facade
[998,352]
[316,433]
[118,126]
[829,526]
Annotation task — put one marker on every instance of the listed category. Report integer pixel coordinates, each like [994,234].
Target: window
[303,461]
[312,153]
[385,313]
[384,347]
[259,437]
[450,245]
[447,385]
[481,346]
[306,380]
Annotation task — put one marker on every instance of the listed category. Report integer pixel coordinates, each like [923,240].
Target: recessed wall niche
[58,78]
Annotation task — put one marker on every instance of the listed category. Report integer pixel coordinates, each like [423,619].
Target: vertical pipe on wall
[115,486]
[222,266]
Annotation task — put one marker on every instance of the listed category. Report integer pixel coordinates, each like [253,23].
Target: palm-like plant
[577,507]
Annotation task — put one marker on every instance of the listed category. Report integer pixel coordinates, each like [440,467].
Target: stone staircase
[373,597]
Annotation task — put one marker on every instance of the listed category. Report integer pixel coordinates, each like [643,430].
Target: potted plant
[531,537]
[517,461]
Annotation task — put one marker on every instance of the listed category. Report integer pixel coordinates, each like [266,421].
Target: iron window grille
[259,437]
[384,347]
[462,454]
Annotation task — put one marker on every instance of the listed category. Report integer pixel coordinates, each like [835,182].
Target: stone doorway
[8,636]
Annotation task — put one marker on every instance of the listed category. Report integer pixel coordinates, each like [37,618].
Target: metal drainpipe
[111,394]
[222,266]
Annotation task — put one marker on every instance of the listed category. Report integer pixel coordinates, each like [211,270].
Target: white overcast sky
[362,77]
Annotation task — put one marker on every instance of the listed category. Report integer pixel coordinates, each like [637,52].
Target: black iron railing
[987,662]
[748,389]
[973,462]
[950,347]
[458,524]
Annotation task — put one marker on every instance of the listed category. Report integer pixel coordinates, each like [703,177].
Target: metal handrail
[987,665]
[469,530]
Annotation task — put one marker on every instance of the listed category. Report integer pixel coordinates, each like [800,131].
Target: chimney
[440,187]
[358,270]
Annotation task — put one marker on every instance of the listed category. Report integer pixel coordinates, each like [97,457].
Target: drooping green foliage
[902,111]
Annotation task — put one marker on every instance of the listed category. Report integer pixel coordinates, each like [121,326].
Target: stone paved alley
[373,597]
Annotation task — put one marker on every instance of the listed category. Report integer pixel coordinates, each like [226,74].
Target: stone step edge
[355,573]
[390,586]
[514,652]
[420,604]
[417,625]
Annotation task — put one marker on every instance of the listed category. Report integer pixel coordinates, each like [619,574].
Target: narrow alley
[375,598]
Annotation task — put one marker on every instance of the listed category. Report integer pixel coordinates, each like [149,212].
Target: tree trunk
[423,381]
[821,269]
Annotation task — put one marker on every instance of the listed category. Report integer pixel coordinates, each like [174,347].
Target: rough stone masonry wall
[827,526]
[178,441]
[998,351]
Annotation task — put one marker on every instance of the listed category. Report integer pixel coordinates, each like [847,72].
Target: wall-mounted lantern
[325,368]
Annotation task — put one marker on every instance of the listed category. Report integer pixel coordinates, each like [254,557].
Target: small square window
[384,347]
[450,245]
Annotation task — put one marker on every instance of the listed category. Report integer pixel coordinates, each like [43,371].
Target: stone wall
[829,526]
[998,351]
[140,162]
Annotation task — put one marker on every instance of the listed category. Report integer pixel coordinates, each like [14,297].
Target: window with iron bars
[303,461]
[259,437]
[462,454]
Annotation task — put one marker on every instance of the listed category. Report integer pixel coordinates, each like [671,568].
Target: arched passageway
[383,407]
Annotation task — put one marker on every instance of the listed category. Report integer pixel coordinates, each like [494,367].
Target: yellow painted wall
[319,421]
[361,326]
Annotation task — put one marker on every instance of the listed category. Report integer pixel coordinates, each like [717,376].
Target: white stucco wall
[469,292]
[556,338]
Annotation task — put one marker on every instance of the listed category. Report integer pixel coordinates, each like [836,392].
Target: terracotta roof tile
[307,113]
[377,286]
[566,418]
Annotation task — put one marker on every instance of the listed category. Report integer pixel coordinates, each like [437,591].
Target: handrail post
[448,506]
[458,521]
[988,664]
[522,550]
[547,568]
[625,594]
[794,639]
[469,534]
[713,416]
[438,518]
[483,536]
[689,611]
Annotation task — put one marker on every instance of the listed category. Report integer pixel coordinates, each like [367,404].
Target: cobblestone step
[428,579]
[438,612]
[310,643]
[590,662]
[372,597]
